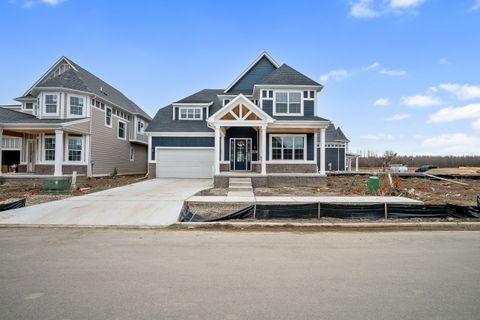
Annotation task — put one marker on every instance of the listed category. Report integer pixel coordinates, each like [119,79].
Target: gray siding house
[265,122]
[71,120]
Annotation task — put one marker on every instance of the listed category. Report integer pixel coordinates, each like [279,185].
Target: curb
[271,226]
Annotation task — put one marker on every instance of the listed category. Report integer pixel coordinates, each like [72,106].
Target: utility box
[56,184]
[373,184]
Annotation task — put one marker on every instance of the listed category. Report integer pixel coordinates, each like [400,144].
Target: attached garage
[184,162]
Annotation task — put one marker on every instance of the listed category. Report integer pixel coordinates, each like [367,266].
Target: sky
[399,75]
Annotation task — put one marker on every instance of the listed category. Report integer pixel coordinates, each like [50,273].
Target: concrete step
[237,184]
[240,189]
[240,180]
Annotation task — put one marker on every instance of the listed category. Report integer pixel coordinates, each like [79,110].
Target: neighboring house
[336,149]
[265,122]
[70,120]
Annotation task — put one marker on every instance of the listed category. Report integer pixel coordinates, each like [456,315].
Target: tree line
[416,161]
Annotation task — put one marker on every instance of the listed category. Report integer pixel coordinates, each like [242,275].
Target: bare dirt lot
[427,190]
[34,194]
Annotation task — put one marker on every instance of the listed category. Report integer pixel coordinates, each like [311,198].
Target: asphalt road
[112,274]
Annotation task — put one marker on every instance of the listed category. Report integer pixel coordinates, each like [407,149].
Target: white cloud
[363,9]
[52,2]
[476,124]
[398,117]
[462,92]
[372,66]
[377,136]
[420,100]
[443,61]
[393,73]
[476,5]
[405,3]
[449,114]
[382,102]
[453,143]
[335,75]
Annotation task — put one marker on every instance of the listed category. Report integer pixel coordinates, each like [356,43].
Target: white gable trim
[240,99]
[55,65]
[264,54]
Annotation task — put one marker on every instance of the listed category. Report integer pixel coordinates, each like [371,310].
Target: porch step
[243,185]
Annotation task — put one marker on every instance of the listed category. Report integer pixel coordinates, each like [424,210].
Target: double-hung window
[190,113]
[49,148]
[74,148]
[51,103]
[108,117]
[122,130]
[288,103]
[288,147]
[76,106]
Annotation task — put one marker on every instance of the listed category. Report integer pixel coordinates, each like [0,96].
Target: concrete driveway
[152,202]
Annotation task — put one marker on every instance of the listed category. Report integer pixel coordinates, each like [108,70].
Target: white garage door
[184,163]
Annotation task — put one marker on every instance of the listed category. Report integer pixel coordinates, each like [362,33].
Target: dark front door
[240,154]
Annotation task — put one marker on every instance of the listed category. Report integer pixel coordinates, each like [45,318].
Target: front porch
[43,151]
[249,142]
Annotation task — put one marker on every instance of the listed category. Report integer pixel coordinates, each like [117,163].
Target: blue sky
[401,75]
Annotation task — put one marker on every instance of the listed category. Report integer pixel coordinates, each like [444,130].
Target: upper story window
[29,106]
[108,117]
[122,130]
[51,101]
[76,106]
[190,113]
[226,101]
[309,95]
[288,103]
[267,94]
[140,126]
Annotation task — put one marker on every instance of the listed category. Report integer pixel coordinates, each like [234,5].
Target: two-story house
[264,123]
[71,120]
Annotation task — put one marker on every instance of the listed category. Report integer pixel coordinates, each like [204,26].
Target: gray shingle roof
[163,122]
[83,80]
[287,75]
[302,118]
[12,116]
[333,134]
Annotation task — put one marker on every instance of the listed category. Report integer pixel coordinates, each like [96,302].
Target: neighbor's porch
[43,152]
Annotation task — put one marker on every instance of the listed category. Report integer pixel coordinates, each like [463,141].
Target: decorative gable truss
[240,112]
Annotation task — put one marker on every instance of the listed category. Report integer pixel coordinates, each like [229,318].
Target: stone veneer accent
[48,169]
[291,168]
[152,170]
[277,181]
[256,167]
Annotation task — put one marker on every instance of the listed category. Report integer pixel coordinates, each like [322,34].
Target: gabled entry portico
[242,126]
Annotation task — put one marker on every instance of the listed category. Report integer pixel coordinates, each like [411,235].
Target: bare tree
[388,157]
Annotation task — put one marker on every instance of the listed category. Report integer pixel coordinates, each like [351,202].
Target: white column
[217,150]
[322,151]
[58,153]
[1,144]
[315,148]
[88,155]
[222,147]
[264,150]
[356,164]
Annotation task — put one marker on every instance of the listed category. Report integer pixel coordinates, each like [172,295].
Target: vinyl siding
[333,155]
[254,76]
[308,108]
[83,127]
[268,107]
[109,152]
[181,142]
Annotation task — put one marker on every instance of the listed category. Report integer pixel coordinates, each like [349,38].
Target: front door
[240,155]
[31,155]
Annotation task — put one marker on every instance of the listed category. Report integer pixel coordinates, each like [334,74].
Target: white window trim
[44,158]
[142,129]
[308,95]
[132,159]
[111,117]
[125,130]
[196,119]
[67,149]
[72,115]
[289,160]
[275,113]
[44,104]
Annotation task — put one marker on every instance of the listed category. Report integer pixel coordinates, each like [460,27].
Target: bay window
[51,103]
[288,103]
[288,147]
[76,106]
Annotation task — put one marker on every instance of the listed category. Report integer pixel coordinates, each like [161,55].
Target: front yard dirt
[34,194]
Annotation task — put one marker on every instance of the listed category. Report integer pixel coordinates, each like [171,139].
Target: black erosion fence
[340,211]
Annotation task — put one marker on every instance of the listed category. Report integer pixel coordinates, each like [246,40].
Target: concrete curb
[274,226]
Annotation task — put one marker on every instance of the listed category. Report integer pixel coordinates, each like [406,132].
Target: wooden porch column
[58,153]
[264,150]
[217,150]
[322,151]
